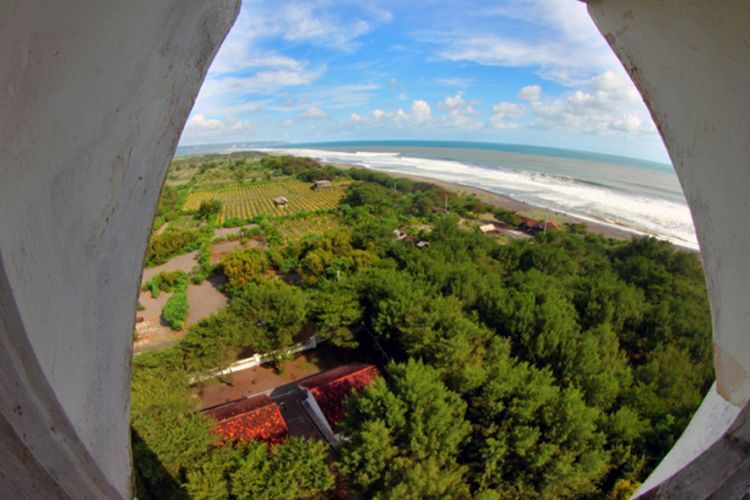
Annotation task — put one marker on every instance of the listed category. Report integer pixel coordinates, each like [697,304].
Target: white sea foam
[641,213]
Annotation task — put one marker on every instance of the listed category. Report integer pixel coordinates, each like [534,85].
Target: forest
[561,366]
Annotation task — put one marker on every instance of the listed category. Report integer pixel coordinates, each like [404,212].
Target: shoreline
[523,208]
[507,203]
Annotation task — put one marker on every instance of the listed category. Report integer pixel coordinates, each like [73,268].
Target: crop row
[294,229]
[243,202]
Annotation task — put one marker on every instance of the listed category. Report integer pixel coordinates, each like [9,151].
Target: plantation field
[294,229]
[243,202]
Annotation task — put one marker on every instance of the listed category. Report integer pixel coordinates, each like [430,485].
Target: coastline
[507,203]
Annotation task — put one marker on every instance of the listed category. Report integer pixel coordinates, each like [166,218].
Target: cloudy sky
[515,71]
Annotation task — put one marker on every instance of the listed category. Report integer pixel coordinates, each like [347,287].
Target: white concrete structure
[691,62]
[93,97]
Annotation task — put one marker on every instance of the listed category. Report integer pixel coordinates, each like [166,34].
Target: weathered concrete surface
[93,97]
[691,62]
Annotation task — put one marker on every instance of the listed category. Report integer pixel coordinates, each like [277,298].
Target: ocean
[637,195]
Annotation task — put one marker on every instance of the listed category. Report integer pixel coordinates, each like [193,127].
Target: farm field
[245,201]
[294,229]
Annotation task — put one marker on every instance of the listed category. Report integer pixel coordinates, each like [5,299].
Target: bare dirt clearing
[205,299]
[183,262]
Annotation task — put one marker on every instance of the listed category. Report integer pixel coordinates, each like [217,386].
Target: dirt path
[264,379]
[227,231]
[223,248]
[183,262]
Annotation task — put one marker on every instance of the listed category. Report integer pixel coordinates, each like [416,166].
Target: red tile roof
[331,388]
[248,419]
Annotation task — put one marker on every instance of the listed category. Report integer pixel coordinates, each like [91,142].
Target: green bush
[176,309]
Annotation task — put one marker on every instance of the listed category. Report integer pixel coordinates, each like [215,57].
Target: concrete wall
[94,97]
[691,62]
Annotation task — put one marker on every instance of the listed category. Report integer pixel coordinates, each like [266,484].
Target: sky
[531,72]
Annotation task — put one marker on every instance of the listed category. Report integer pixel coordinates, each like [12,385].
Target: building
[280,201]
[322,184]
[488,229]
[249,419]
[399,234]
[528,224]
[311,407]
[330,388]
[423,244]
[547,225]
[93,126]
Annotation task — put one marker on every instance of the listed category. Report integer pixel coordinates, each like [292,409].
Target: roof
[323,182]
[249,419]
[486,228]
[331,388]
[280,199]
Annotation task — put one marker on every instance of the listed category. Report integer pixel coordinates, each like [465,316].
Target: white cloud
[531,93]
[313,113]
[199,128]
[606,105]
[232,94]
[200,123]
[459,113]
[566,47]
[421,112]
[504,114]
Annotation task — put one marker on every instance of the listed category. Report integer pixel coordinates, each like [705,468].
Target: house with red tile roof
[330,388]
[247,419]
[311,407]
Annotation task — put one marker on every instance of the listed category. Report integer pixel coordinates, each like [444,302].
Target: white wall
[94,97]
[691,61]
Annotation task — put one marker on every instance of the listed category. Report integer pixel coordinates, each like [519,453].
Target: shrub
[176,309]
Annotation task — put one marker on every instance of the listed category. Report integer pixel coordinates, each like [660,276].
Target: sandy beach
[525,209]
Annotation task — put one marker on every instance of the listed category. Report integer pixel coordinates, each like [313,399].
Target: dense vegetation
[561,366]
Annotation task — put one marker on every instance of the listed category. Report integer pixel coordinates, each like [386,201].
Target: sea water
[640,196]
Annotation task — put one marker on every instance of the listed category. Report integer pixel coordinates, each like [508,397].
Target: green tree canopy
[403,437]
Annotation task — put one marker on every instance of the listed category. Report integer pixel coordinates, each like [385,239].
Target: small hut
[280,201]
[547,225]
[322,184]
[399,234]
[423,244]
[488,229]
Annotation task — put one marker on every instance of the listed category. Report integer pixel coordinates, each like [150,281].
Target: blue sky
[524,72]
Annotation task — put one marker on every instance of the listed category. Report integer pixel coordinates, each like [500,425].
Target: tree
[244,265]
[533,439]
[208,208]
[294,469]
[168,438]
[334,312]
[273,309]
[403,437]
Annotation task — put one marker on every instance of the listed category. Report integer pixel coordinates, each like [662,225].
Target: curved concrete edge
[709,424]
[691,62]
[721,470]
[94,98]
